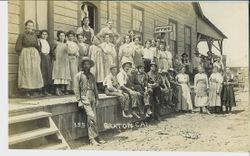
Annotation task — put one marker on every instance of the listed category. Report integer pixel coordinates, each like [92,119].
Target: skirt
[214,98]
[227,96]
[185,102]
[29,71]
[46,68]
[201,98]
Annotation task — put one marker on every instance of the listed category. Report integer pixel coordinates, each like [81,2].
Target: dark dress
[227,96]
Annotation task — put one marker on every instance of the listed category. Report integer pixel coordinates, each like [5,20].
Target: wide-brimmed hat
[85,59]
[126,62]
[113,66]
[153,63]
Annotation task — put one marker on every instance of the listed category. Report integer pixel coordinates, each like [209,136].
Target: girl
[46,62]
[185,102]
[215,82]
[148,56]
[29,71]
[163,61]
[228,97]
[73,54]
[61,70]
[200,88]
[126,51]
[138,51]
[83,47]
[96,54]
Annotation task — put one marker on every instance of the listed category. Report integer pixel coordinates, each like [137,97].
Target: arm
[19,44]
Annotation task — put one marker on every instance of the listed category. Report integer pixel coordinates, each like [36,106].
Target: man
[86,30]
[174,85]
[127,86]
[166,90]
[87,96]
[141,80]
[154,83]
[112,88]
[114,36]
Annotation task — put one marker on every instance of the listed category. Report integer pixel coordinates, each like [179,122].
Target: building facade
[142,17]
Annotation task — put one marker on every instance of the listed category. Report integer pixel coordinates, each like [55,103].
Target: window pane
[173,33]
[187,35]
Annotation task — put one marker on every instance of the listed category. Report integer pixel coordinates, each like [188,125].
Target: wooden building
[189,25]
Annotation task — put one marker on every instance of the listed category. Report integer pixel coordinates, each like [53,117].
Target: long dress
[138,54]
[201,86]
[29,70]
[109,56]
[61,70]
[96,54]
[215,82]
[228,96]
[73,54]
[185,102]
[46,62]
[163,60]
[126,53]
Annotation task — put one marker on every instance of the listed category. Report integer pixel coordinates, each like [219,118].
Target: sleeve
[120,53]
[92,34]
[77,87]
[19,44]
[79,30]
[100,34]
[38,44]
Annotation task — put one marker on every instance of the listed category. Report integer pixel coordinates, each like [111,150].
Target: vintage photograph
[128,75]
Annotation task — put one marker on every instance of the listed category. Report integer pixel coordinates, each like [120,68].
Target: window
[37,11]
[187,38]
[92,14]
[173,37]
[137,22]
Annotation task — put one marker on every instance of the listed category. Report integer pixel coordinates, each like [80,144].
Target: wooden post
[51,21]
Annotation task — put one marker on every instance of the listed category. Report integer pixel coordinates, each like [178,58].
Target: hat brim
[88,60]
[126,63]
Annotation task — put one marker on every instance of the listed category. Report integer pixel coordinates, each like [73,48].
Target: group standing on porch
[146,79]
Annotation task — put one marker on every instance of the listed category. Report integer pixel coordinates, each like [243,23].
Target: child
[215,82]
[200,88]
[73,54]
[61,70]
[46,63]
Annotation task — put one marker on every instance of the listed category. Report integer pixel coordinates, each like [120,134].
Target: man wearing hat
[154,80]
[141,80]
[127,86]
[112,88]
[87,96]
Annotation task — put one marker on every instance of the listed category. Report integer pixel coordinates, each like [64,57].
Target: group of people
[145,79]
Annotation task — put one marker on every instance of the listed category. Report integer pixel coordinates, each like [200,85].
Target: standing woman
[163,60]
[148,56]
[83,47]
[46,62]
[29,71]
[185,102]
[138,51]
[215,81]
[126,51]
[86,31]
[73,54]
[228,97]
[61,70]
[201,89]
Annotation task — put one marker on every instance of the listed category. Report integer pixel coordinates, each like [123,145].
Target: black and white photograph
[128,75]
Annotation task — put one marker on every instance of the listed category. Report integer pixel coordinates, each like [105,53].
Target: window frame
[132,21]
[176,34]
[190,39]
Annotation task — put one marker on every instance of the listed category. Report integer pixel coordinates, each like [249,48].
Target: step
[28,117]
[53,146]
[26,136]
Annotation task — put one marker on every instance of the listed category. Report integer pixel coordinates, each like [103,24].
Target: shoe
[100,141]
[149,112]
[135,115]
[93,142]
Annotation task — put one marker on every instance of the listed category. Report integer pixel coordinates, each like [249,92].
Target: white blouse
[45,46]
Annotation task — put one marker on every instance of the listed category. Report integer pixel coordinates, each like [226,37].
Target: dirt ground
[187,132]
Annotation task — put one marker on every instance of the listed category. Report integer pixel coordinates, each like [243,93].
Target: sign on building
[163,29]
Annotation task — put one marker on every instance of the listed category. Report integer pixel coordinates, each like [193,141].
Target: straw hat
[85,59]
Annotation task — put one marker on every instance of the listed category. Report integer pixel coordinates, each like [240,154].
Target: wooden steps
[35,130]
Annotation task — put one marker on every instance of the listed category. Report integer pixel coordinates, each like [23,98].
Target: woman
[138,52]
[73,54]
[61,70]
[96,54]
[86,31]
[46,62]
[126,51]
[215,81]
[185,102]
[201,89]
[163,60]
[228,97]
[148,56]
[83,47]
[109,54]
[29,71]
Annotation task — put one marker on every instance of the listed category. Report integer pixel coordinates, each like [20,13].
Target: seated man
[141,80]
[112,88]
[127,86]
[154,83]
[87,96]
[166,90]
